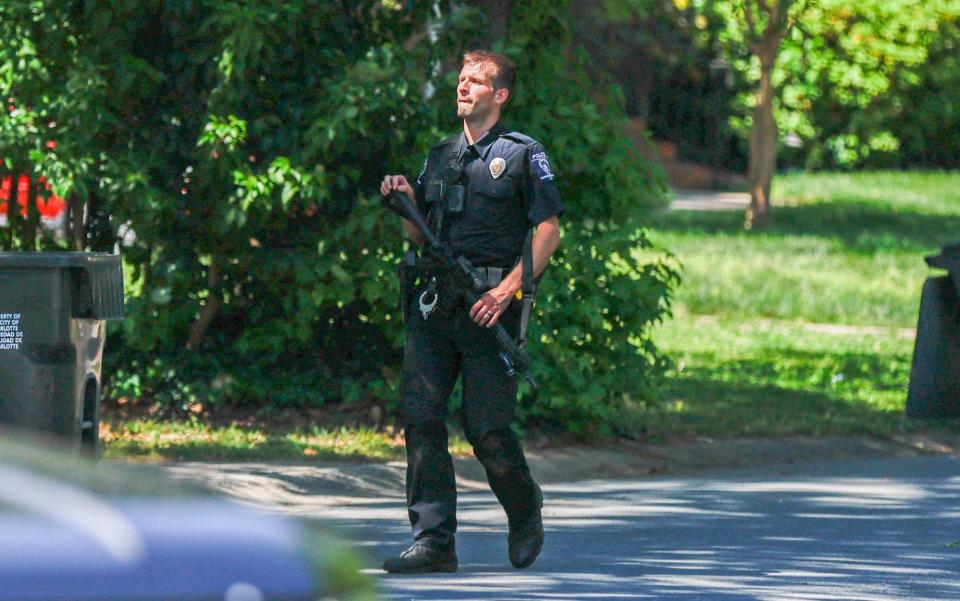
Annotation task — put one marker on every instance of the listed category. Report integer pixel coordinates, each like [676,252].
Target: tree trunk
[763,143]
[210,309]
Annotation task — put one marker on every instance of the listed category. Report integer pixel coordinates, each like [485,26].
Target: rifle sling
[528,287]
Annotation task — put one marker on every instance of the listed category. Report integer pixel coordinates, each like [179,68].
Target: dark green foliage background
[232,151]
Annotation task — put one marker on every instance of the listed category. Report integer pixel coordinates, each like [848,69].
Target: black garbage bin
[935,372]
[53,308]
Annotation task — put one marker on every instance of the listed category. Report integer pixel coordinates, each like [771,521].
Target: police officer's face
[476,96]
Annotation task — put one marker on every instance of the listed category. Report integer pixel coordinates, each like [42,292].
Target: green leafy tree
[844,83]
[752,38]
[232,151]
[852,71]
[48,128]
[926,115]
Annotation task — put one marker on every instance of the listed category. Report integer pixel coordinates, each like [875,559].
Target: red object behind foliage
[50,207]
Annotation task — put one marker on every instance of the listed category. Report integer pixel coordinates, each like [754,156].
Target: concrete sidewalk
[708,200]
[310,486]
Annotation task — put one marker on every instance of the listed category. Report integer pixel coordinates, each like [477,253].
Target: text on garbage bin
[11,337]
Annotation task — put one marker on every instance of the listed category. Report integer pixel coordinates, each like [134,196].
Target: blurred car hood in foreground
[75,530]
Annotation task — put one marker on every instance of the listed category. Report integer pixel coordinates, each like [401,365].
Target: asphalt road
[864,529]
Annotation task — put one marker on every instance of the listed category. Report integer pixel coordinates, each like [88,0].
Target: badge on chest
[497,167]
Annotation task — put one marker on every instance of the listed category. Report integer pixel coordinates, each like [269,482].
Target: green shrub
[260,266]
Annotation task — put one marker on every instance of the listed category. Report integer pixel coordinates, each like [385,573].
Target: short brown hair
[506,75]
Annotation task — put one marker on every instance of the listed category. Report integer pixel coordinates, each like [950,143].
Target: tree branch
[211,308]
[751,22]
[780,15]
[795,21]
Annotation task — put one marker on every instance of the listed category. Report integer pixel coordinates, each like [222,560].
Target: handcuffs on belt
[428,298]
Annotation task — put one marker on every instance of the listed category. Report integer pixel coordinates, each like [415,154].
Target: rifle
[465,278]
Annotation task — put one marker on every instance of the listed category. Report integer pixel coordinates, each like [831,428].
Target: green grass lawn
[802,329]
[148,439]
[805,328]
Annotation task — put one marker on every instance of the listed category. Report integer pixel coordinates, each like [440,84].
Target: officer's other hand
[487,311]
[398,183]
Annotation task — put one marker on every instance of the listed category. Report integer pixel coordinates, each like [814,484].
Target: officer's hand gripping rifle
[465,278]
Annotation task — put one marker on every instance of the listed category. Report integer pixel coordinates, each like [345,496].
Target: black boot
[420,559]
[526,536]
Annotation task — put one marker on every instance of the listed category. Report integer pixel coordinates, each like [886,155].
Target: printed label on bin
[11,336]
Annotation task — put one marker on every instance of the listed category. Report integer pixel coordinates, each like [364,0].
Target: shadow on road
[856,530]
[844,535]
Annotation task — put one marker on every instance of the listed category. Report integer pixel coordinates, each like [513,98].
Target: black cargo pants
[437,350]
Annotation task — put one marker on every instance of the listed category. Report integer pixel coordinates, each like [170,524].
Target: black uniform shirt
[510,188]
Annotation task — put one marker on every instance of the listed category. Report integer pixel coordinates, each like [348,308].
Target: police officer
[483,191]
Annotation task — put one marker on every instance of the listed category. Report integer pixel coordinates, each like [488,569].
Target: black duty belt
[427,300]
[491,275]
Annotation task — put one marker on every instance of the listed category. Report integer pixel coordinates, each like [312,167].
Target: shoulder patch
[540,164]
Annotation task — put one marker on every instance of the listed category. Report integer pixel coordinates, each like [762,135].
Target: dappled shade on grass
[807,328]
[786,393]
[860,226]
[842,249]
[193,440]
